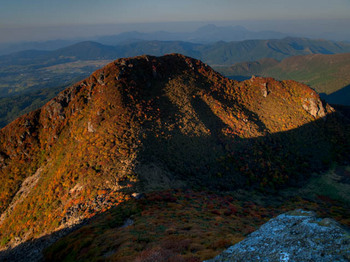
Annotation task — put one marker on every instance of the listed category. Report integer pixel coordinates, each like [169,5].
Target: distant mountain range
[206,34]
[219,53]
[329,75]
[33,71]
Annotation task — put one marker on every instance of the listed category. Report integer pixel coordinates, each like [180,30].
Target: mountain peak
[148,123]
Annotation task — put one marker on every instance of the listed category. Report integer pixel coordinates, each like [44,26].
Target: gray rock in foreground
[295,236]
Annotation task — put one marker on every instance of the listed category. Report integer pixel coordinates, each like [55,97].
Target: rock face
[295,236]
[314,107]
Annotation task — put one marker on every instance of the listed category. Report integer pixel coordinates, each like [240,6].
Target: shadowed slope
[340,97]
[147,123]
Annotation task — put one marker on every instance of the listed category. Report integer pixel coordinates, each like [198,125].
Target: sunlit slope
[324,73]
[149,123]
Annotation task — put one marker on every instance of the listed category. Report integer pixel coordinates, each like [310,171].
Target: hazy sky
[30,19]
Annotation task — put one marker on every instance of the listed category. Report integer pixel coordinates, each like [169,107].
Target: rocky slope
[154,123]
[294,236]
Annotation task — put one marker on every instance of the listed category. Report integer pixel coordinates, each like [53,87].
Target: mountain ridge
[153,123]
[273,48]
[200,35]
[323,72]
[31,73]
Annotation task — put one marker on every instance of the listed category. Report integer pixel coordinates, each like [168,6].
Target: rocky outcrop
[295,236]
[27,185]
[314,107]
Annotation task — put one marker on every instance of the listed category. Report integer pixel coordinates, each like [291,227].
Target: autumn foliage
[146,123]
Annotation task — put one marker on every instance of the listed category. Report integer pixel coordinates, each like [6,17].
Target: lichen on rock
[295,236]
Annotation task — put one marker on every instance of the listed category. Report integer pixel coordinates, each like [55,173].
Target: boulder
[295,236]
[314,107]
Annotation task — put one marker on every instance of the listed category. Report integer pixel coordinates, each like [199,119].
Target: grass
[333,184]
[189,225]
[325,73]
[159,123]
